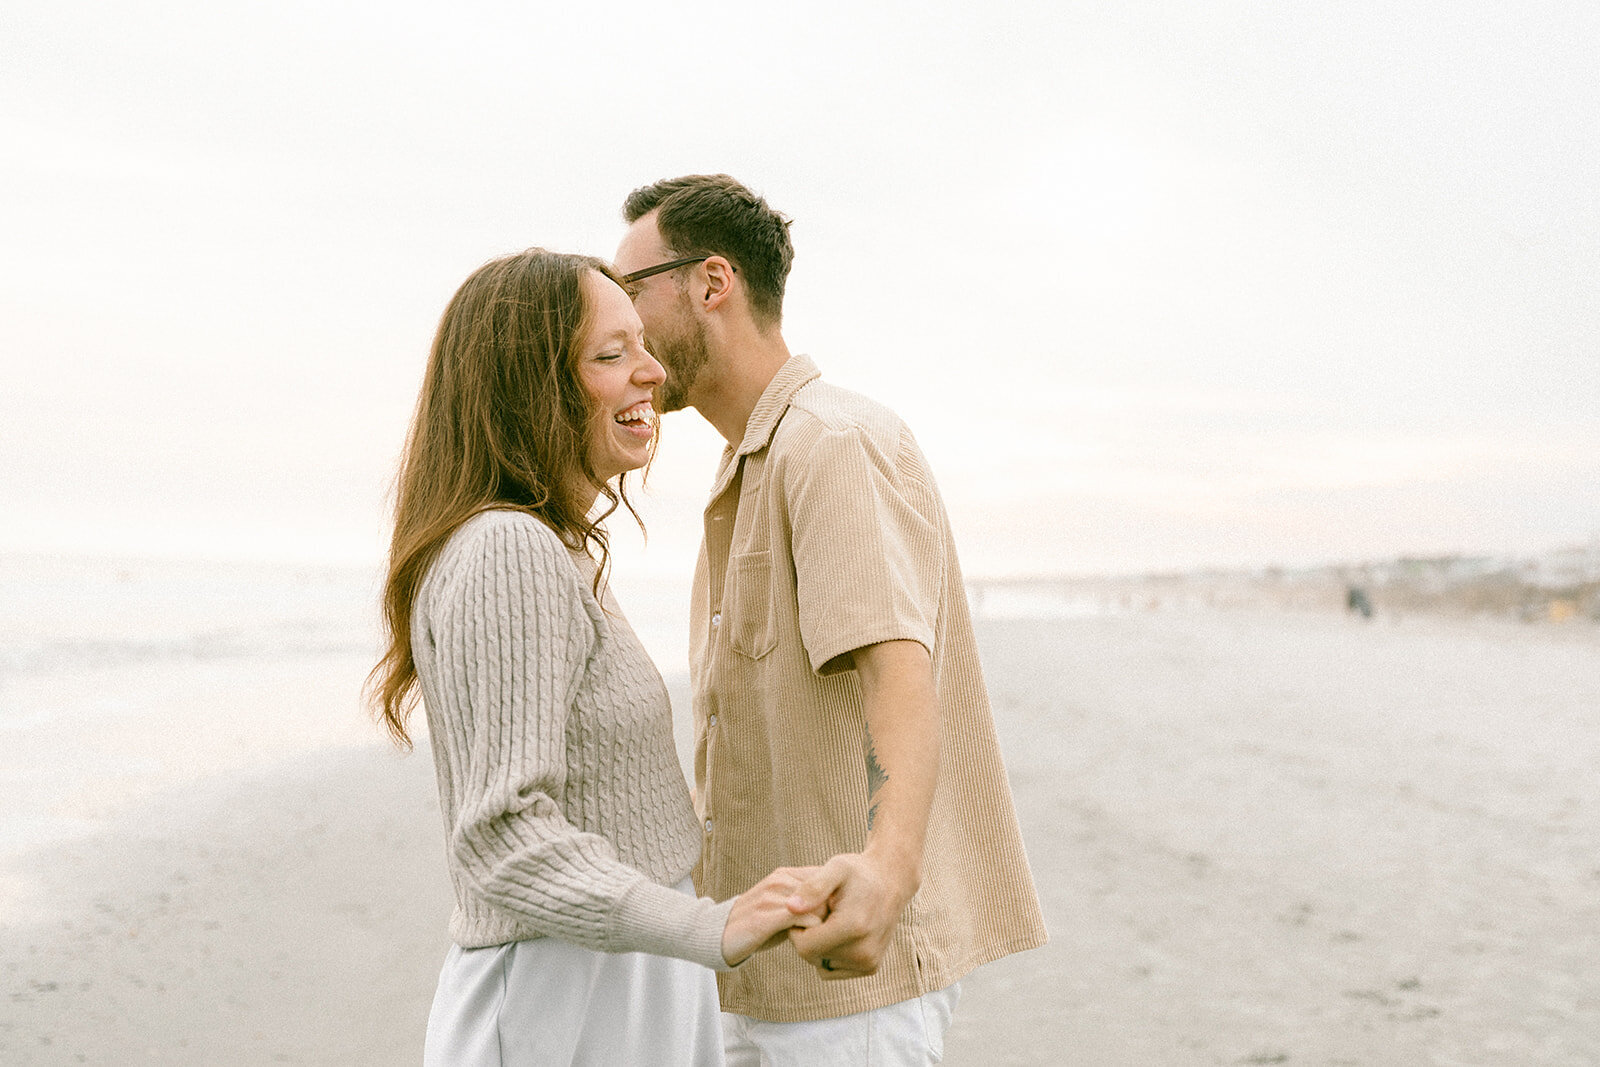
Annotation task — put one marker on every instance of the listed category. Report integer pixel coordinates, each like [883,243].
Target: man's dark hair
[715,215]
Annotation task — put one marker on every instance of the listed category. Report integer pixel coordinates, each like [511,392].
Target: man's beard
[683,354]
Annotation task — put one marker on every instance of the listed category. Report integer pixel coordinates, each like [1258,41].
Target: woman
[570,829]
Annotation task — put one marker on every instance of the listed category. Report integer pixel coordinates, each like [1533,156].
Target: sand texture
[1260,837]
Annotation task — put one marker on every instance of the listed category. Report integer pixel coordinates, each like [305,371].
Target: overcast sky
[1155,284]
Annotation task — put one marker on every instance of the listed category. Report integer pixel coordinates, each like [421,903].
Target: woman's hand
[761,917]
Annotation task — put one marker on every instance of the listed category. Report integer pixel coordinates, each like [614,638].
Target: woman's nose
[650,371]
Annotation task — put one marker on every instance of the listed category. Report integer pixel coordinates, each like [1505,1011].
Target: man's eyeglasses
[661,268]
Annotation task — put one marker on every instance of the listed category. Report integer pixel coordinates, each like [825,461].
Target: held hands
[860,898]
[763,914]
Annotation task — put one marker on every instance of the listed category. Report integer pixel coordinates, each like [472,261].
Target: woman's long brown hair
[502,422]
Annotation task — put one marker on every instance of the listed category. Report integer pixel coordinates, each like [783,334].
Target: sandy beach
[1261,837]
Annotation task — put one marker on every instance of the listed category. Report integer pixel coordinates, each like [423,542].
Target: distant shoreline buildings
[1560,585]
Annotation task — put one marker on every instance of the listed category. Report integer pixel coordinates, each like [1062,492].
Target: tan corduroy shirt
[825,533]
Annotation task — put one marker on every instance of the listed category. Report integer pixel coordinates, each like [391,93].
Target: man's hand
[861,897]
[762,915]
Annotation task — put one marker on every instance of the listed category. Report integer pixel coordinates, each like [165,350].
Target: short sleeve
[868,553]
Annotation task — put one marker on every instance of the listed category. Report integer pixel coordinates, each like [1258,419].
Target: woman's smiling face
[620,376]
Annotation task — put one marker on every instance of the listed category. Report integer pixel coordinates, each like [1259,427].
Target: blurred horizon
[635,571]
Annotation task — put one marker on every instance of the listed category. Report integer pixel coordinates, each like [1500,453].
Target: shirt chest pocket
[751,628]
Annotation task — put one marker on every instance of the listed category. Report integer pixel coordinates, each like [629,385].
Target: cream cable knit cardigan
[566,812]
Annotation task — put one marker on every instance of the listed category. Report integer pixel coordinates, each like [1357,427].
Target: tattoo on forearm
[876,776]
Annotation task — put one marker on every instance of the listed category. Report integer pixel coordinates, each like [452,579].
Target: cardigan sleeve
[514,636]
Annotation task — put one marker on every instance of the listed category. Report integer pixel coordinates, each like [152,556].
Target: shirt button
[716,619]
[713,720]
[708,826]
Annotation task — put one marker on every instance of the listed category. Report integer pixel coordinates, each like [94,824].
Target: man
[840,713]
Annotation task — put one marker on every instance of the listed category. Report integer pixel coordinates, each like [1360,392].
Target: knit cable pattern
[566,812]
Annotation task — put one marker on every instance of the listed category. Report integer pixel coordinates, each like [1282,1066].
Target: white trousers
[907,1034]
[539,1002]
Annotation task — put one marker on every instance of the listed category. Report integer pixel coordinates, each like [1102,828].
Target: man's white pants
[907,1034]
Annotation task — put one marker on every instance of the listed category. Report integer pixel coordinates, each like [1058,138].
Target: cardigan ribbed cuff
[667,922]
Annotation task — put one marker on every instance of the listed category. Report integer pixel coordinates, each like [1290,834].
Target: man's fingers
[815,942]
[850,951]
[834,937]
[849,960]
[813,892]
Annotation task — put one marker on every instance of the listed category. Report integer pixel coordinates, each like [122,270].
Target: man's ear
[719,282]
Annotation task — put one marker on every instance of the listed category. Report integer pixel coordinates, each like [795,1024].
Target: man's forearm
[902,753]
[863,895]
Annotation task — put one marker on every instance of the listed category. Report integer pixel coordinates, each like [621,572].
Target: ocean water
[1044,599]
[67,615]
[120,679]
[124,678]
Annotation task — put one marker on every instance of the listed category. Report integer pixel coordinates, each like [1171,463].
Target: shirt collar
[775,400]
